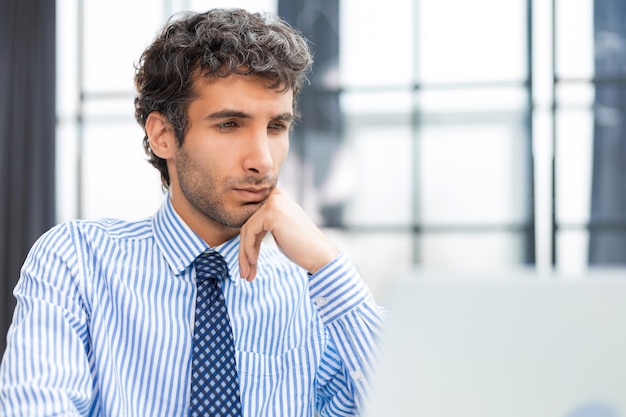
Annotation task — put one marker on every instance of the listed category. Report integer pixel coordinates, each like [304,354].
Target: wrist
[323,257]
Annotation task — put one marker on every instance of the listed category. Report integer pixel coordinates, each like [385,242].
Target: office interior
[471,136]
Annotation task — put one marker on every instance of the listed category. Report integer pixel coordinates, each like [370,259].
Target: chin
[237,221]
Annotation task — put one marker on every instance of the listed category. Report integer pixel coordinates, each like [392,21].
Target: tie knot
[210,264]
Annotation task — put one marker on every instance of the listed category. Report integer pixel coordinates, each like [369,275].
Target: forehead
[241,91]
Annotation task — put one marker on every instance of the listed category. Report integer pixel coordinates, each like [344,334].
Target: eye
[227,125]
[278,126]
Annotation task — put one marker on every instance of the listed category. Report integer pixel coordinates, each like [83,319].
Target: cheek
[209,158]
[279,151]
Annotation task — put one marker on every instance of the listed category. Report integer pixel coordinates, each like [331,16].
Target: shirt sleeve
[354,323]
[45,369]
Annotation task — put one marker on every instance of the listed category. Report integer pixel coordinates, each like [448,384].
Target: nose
[258,158]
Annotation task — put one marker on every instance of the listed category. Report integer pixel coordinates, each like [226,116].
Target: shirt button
[320,301]
[357,375]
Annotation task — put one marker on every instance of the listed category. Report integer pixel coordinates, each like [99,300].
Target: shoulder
[67,236]
[112,229]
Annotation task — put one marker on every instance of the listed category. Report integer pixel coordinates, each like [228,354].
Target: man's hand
[294,232]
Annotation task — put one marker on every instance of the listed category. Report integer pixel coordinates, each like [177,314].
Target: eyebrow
[225,114]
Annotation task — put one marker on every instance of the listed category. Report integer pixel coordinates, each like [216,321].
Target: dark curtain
[607,243]
[27,136]
[318,133]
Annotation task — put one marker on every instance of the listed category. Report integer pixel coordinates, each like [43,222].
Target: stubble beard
[206,193]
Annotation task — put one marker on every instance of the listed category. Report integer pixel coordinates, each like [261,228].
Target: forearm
[352,319]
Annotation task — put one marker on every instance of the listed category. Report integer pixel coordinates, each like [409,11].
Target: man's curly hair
[217,43]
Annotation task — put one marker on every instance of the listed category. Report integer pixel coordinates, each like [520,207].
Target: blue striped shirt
[105,314]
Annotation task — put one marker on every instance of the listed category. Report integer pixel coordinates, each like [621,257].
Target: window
[466,132]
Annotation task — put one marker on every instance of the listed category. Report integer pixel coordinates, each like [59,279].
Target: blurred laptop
[514,345]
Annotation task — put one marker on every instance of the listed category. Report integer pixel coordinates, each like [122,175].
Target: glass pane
[574,154]
[474,172]
[608,198]
[610,40]
[463,41]
[67,96]
[110,55]
[572,251]
[116,33]
[117,180]
[480,251]
[382,161]
[116,108]
[501,99]
[66,167]
[377,159]
[376,45]
[574,38]
[381,258]
[606,247]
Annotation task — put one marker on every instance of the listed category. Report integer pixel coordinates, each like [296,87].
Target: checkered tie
[214,379]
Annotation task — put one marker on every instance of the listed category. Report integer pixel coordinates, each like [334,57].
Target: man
[108,314]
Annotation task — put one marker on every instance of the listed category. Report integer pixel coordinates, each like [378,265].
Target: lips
[252,195]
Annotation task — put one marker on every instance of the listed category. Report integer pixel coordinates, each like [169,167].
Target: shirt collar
[180,245]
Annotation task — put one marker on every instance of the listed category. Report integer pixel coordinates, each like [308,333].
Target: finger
[252,273]
[244,265]
[251,236]
[254,256]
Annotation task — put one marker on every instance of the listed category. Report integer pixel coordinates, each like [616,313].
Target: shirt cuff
[337,288]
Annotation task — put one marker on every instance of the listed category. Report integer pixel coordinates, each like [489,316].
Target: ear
[160,135]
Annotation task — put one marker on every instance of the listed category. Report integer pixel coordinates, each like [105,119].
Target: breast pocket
[279,385]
